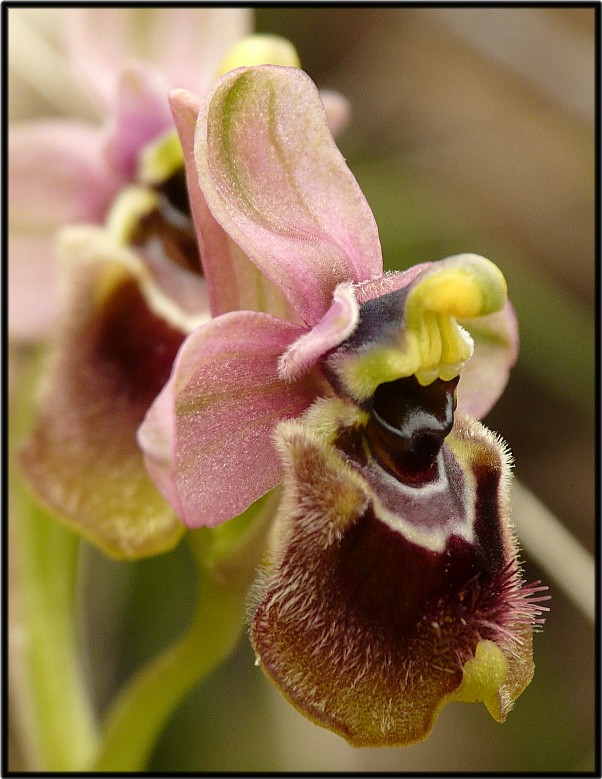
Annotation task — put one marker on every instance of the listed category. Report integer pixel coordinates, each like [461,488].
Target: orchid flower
[130,287]
[392,583]
[69,170]
[65,171]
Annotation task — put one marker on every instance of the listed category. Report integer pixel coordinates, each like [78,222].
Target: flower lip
[375,610]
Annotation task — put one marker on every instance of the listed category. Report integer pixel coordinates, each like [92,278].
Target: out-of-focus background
[472,129]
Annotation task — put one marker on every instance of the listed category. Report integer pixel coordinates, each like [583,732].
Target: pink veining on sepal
[337,110]
[233,281]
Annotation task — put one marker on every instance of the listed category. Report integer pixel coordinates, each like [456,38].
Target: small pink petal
[336,325]
[208,436]
[142,114]
[495,352]
[337,110]
[275,180]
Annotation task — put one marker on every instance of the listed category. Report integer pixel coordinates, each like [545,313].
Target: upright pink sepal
[233,281]
[276,182]
[337,110]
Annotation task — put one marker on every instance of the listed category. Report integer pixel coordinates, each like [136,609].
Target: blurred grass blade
[555,549]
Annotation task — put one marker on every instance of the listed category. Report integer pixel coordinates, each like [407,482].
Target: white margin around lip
[429,540]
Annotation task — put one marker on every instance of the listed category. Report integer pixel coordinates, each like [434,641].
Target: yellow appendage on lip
[483,677]
[430,343]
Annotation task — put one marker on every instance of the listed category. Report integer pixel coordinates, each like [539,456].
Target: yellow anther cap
[414,330]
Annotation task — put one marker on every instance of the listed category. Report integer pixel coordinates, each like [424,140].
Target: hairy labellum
[386,597]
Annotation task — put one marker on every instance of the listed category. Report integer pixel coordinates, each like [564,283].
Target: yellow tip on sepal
[260,50]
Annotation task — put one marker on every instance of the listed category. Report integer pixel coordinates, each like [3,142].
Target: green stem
[55,712]
[50,706]
[51,712]
[142,709]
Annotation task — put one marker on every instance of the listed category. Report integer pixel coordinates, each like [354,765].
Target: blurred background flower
[472,129]
[119,64]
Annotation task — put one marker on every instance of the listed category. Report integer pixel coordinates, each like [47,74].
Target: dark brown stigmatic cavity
[408,424]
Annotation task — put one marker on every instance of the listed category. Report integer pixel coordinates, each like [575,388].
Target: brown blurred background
[472,129]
